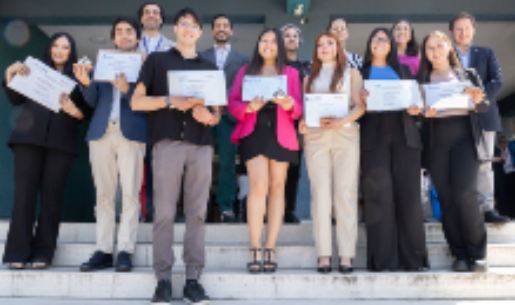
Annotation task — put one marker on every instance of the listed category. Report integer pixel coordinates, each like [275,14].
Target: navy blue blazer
[484,61]
[99,96]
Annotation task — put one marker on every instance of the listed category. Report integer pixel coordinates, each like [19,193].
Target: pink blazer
[286,133]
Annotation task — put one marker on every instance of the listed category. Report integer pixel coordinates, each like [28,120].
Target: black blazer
[369,122]
[41,126]
[482,150]
[484,61]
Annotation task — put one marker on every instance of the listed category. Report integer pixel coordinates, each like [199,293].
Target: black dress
[263,140]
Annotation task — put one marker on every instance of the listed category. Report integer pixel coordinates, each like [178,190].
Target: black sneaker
[290,217]
[123,262]
[163,294]
[194,293]
[494,217]
[228,217]
[98,261]
[460,265]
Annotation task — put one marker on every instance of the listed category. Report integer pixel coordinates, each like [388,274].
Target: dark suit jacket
[484,61]
[133,124]
[235,60]
[41,126]
[369,122]
[482,149]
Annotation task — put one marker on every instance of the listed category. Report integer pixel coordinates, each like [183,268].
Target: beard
[151,25]
[222,38]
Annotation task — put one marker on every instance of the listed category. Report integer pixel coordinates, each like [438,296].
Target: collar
[458,51]
[175,51]
[227,47]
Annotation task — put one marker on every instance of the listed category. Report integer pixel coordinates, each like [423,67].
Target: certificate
[43,85]
[448,96]
[206,85]
[111,62]
[318,106]
[391,95]
[263,86]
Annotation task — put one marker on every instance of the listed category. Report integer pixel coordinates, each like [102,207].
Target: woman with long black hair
[44,144]
[407,44]
[454,148]
[390,164]
[268,142]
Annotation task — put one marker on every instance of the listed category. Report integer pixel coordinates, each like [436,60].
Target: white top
[153,44]
[221,54]
[323,81]
[115,111]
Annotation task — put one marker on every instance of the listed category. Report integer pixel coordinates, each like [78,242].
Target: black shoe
[460,265]
[163,294]
[123,262]
[98,261]
[478,266]
[324,269]
[228,217]
[345,269]
[494,217]
[194,293]
[269,266]
[290,217]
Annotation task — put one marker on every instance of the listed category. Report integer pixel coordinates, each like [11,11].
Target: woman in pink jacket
[268,143]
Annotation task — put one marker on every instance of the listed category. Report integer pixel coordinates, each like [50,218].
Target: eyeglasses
[187,26]
[380,40]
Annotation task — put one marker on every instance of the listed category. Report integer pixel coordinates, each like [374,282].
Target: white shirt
[221,54]
[153,44]
[115,111]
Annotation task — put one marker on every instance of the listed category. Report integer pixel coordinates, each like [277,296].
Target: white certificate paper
[317,106]
[207,85]
[43,85]
[109,63]
[263,86]
[391,95]
[448,96]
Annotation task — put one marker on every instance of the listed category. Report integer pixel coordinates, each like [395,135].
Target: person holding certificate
[117,138]
[332,154]
[454,147]
[268,140]
[390,164]
[44,144]
[179,133]
[407,45]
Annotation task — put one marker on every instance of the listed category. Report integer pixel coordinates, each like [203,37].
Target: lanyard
[157,47]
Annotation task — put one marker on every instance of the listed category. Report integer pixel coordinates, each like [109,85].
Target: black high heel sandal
[268,265]
[325,269]
[255,266]
[346,269]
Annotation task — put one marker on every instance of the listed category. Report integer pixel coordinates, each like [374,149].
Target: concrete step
[286,284]
[291,256]
[51,301]
[230,234]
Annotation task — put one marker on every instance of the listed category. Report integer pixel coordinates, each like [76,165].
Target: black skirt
[263,140]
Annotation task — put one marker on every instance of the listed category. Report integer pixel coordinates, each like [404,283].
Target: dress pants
[332,159]
[510,194]
[38,172]
[172,160]
[227,157]
[112,156]
[454,167]
[485,180]
[393,212]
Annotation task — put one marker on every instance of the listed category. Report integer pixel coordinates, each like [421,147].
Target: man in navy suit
[117,137]
[226,58]
[484,61]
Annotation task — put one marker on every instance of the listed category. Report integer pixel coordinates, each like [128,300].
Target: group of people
[380,152]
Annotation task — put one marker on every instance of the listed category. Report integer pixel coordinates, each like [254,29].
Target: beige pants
[332,158]
[111,156]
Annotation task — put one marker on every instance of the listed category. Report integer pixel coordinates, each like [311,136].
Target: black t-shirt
[302,66]
[166,123]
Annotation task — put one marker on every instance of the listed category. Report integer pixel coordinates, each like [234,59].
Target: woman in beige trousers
[332,154]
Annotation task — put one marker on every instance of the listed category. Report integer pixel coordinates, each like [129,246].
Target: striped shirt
[355,61]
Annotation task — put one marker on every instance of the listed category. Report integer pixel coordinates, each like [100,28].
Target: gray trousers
[485,179]
[173,161]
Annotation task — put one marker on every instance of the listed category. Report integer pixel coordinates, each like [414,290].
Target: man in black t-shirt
[179,133]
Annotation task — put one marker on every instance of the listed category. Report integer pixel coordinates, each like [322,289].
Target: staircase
[225,277]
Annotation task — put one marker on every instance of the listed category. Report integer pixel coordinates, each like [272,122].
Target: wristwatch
[168,101]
